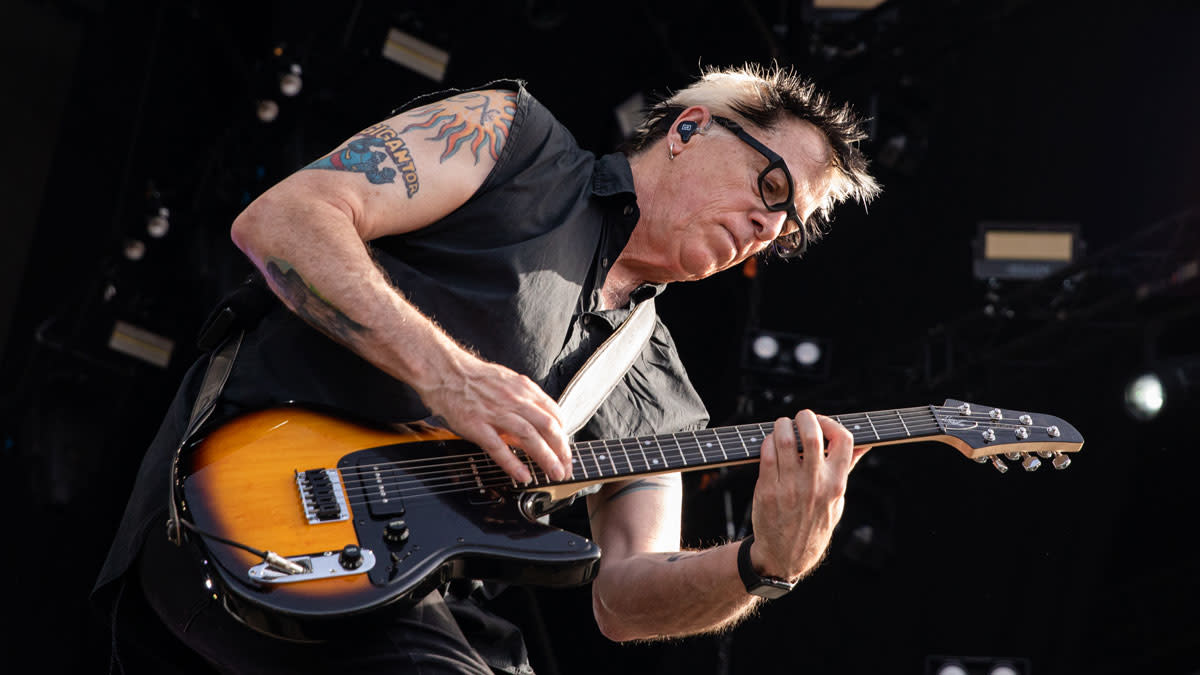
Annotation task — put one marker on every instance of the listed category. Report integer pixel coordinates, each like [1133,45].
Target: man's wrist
[757,584]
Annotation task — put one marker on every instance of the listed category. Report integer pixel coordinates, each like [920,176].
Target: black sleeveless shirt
[514,274]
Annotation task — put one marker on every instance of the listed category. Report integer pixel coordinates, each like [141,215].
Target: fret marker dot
[708,445]
[654,461]
[857,427]
[647,442]
[601,458]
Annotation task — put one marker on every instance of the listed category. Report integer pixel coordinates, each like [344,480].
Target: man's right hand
[495,408]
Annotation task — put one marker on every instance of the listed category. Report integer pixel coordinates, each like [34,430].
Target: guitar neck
[608,460]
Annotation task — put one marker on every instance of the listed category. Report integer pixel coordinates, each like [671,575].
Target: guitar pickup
[322,496]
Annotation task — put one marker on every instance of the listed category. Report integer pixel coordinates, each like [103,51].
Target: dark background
[1080,112]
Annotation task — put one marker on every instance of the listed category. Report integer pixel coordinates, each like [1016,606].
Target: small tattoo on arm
[683,555]
[368,151]
[308,304]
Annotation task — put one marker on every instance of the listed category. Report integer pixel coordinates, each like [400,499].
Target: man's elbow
[614,624]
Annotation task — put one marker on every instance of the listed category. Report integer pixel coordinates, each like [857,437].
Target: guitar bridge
[322,496]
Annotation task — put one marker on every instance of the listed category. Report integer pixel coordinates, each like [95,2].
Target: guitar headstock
[985,434]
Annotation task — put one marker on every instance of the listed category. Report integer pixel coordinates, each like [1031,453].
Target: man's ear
[688,124]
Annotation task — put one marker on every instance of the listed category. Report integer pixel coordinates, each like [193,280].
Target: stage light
[134,249]
[1003,669]
[766,347]
[158,224]
[1144,397]
[786,355]
[952,669]
[1166,389]
[291,83]
[807,353]
[267,110]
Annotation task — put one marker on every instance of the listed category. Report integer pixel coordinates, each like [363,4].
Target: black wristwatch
[767,587]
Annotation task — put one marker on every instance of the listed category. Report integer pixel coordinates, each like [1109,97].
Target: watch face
[770,589]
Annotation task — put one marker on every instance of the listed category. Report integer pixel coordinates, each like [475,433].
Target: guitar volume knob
[396,532]
[351,557]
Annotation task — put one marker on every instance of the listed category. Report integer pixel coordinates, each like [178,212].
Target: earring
[670,150]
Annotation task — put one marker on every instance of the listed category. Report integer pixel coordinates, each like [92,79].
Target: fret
[660,462]
[596,463]
[717,437]
[610,459]
[577,464]
[742,441]
[873,429]
[624,455]
[901,417]
[645,459]
[658,440]
[700,447]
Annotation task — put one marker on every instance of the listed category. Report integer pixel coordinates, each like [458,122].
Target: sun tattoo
[485,127]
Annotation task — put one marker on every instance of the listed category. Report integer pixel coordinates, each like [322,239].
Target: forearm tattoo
[635,486]
[309,305]
[485,128]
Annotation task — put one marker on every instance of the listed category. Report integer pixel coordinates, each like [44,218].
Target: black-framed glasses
[776,188]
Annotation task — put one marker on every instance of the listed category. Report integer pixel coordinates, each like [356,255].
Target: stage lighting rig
[786,355]
[1165,389]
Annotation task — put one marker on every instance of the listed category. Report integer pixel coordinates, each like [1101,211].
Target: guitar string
[459,477]
[692,448]
[876,428]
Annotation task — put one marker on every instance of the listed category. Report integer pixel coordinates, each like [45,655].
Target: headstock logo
[958,423]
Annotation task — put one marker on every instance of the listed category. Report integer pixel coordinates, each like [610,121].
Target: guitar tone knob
[1060,461]
[1031,463]
[396,532]
[1000,465]
[351,557]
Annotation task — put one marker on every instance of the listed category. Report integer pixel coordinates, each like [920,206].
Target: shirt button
[628,211]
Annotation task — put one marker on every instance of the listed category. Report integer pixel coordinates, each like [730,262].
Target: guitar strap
[602,371]
[220,363]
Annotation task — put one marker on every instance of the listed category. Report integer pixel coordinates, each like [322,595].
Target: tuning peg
[996,414]
[1026,420]
[1000,465]
[1061,461]
[1053,431]
[1031,463]
[1014,456]
[988,435]
[1045,454]
[1021,433]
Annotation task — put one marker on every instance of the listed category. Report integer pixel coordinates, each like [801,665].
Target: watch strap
[756,584]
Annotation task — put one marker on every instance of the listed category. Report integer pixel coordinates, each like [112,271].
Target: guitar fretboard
[706,448]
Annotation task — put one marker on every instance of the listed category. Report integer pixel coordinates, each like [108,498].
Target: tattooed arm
[307,234]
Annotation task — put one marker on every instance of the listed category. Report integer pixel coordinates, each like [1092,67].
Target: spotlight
[952,669]
[290,83]
[766,347]
[1165,389]
[807,353]
[267,110]
[786,355]
[1144,397]
[135,249]
[158,224]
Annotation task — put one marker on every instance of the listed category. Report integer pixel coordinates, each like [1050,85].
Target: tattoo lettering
[487,130]
[367,151]
[308,303]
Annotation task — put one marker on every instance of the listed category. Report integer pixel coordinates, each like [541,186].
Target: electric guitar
[307,521]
